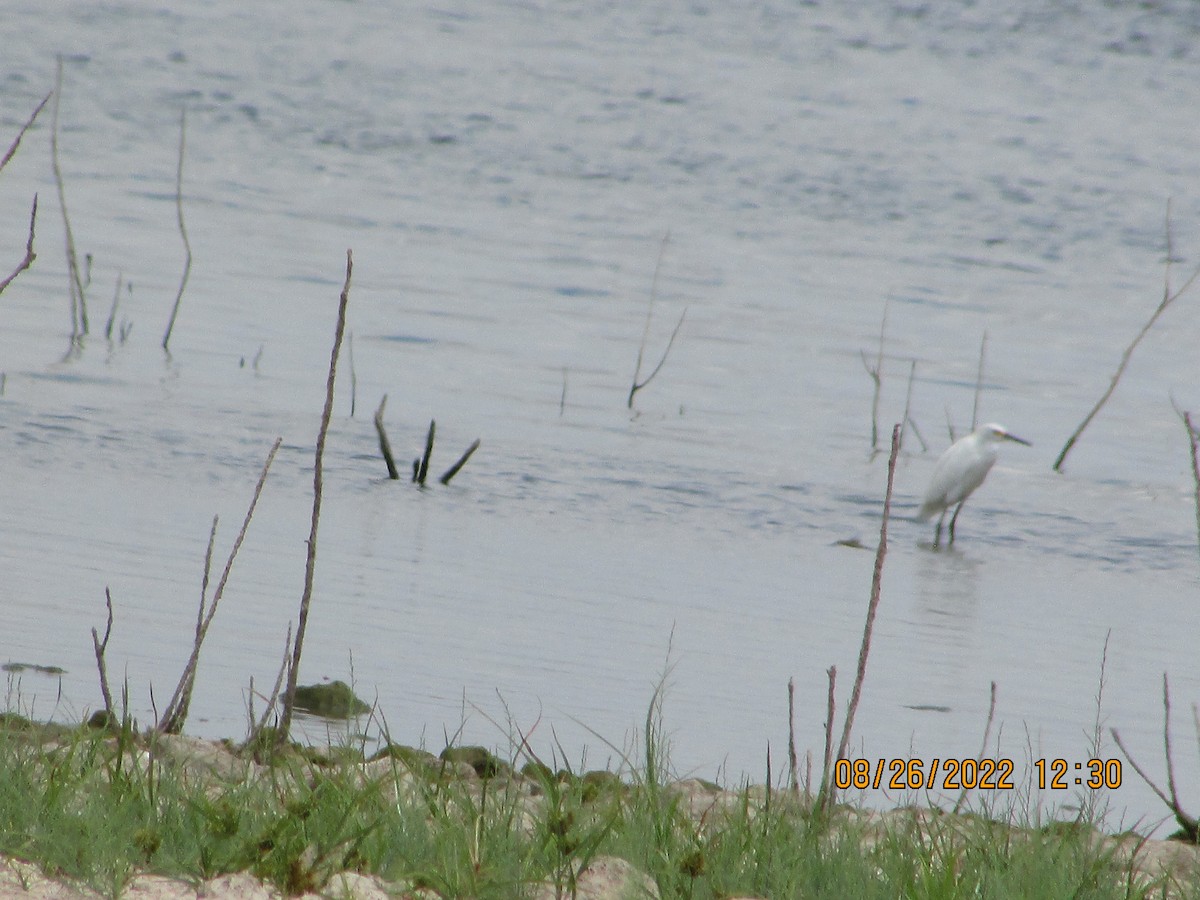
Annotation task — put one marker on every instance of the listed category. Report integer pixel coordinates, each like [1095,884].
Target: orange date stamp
[954,774]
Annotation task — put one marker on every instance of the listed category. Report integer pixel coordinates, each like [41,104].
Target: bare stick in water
[907,420]
[79,317]
[422,468]
[289,696]
[187,246]
[462,461]
[979,381]
[1194,445]
[637,369]
[353,375]
[1168,298]
[793,774]
[1189,823]
[12,150]
[876,373]
[101,646]
[175,715]
[987,734]
[826,796]
[385,446]
[30,256]
[873,605]
[112,313]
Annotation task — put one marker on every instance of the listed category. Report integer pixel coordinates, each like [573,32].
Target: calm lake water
[505,174]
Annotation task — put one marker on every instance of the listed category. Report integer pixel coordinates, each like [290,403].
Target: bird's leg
[954,519]
[937,535]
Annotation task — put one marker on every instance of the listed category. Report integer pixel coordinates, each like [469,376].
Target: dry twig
[637,369]
[979,381]
[385,446]
[289,696]
[30,256]
[1188,823]
[12,150]
[187,246]
[101,646]
[175,714]
[79,317]
[421,467]
[1168,298]
[872,606]
[462,461]
[876,374]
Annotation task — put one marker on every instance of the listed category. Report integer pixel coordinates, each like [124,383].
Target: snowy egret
[960,470]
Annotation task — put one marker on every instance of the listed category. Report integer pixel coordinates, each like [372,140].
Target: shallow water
[505,178]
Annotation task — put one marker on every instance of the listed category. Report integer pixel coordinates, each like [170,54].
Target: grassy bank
[100,806]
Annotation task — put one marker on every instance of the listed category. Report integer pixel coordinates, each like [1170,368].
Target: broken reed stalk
[79,317]
[112,313]
[100,647]
[987,734]
[907,420]
[175,715]
[462,461]
[30,256]
[637,369]
[421,467]
[979,381]
[1168,298]
[257,728]
[289,696]
[353,375]
[872,606]
[187,246]
[1192,442]
[12,150]
[1188,823]
[876,374]
[825,796]
[385,446]
[793,775]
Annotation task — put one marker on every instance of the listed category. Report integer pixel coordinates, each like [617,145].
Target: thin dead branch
[112,313]
[912,376]
[637,369]
[876,374]
[79,317]
[12,150]
[100,647]
[872,606]
[421,467]
[462,461]
[175,715]
[1168,298]
[385,446]
[289,697]
[1188,823]
[1193,437]
[187,246]
[793,774]
[260,726]
[353,375]
[825,797]
[979,381]
[30,256]
[987,734]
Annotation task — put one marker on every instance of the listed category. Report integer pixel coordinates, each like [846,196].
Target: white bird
[960,470]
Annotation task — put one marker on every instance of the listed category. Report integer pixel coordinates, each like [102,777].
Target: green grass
[99,807]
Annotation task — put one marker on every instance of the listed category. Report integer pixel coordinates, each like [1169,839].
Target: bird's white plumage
[960,470]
